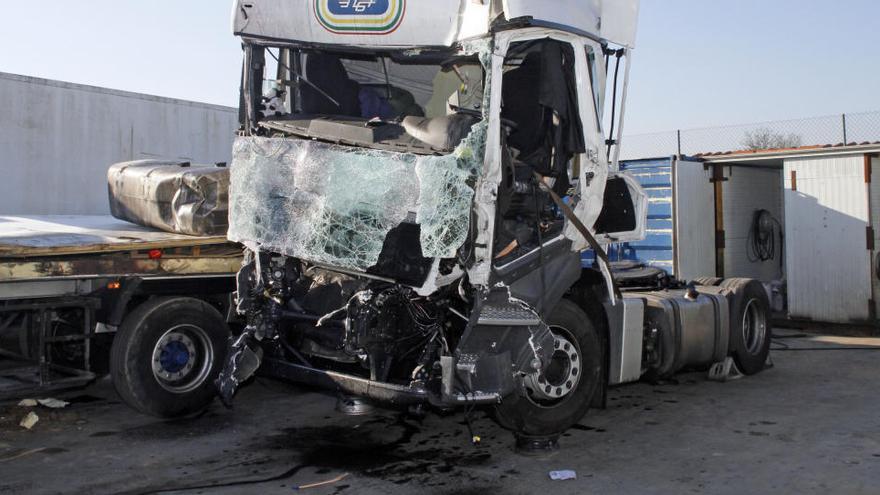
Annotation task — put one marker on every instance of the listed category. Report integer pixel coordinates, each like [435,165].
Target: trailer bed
[59,235]
[60,274]
[65,247]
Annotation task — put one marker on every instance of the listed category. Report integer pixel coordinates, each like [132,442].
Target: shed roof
[776,154]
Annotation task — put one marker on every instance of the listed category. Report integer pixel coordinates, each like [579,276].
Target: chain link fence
[830,130]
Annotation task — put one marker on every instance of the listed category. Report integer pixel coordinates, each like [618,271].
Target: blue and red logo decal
[360,16]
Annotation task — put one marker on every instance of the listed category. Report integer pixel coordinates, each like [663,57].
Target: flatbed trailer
[68,284]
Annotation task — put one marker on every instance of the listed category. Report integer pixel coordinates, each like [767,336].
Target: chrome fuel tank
[684,330]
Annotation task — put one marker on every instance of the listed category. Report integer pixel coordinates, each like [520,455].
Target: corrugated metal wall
[57,140]
[747,190]
[657,247]
[827,260]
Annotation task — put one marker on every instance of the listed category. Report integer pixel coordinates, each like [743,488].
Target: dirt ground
[808,425]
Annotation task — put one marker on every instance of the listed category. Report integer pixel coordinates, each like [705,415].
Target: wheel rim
[754,327]
[182,358]
[555,384]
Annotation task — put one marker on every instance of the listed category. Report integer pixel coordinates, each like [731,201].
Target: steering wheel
[511,125]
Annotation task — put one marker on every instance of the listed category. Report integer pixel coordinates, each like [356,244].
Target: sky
[698,63]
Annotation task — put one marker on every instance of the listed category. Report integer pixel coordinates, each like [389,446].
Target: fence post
[678,136]
[843,118]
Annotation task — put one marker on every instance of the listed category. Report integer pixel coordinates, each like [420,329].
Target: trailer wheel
[557,400]
[708,281]
[750,325]
[166,355]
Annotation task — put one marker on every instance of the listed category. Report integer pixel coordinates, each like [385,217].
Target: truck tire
[708,281]
[529,416]
[750,326]
[166,355]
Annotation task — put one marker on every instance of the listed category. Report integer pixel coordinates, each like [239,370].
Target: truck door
[551,135]
[624,206]
[552,93]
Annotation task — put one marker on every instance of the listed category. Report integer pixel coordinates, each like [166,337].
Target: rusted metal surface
[44,373]
[81,247]
[718,183]
[30,237]
[117,265]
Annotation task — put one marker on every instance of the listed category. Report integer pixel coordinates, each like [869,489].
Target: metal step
[506,316]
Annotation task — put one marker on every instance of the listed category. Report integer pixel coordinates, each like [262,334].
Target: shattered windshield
[415,102]
[367,163]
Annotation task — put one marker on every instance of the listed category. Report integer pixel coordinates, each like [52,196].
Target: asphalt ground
[810,424]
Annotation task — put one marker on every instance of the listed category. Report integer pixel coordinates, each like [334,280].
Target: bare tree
[764,138]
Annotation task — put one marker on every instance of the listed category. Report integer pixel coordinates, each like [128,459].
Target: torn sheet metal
[487,185]
[53,403]
[335,205]
[171,196]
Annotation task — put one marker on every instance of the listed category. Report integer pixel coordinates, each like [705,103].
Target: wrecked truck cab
[415,189]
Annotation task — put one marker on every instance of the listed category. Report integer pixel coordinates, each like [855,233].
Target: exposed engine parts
[391,324]
[389,334]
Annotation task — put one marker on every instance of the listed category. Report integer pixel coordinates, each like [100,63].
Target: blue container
[655,175]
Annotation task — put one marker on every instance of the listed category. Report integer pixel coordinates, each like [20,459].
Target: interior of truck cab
[543,134]
[418,104]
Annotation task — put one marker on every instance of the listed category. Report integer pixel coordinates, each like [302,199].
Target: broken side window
[597,82]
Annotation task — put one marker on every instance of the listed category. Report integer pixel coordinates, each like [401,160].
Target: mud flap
[245,357]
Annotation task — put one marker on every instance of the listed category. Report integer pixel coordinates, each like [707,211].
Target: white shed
[815,243]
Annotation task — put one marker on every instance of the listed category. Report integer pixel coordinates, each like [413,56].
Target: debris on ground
[29,421]
[565,474]
[321,483]
[53,403]
[50,402]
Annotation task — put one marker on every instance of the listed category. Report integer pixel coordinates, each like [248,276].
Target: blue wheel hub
[182,358]
[174,357]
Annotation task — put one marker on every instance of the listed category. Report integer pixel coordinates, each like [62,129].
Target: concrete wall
[750,189]
[57,140]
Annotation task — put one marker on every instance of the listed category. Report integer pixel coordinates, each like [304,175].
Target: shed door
[826,219]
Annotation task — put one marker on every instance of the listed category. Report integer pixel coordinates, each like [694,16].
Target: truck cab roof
[400,23]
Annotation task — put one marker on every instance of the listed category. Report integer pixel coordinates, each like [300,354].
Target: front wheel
[166,355]
[553,401]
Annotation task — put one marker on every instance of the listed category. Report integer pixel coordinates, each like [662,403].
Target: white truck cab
[415,183]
